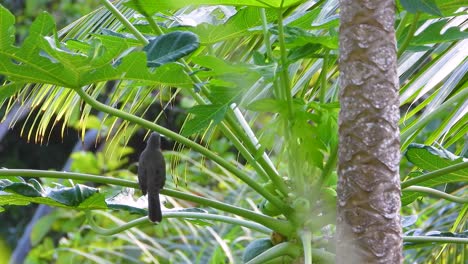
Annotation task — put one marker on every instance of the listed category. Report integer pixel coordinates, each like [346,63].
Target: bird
[152,175]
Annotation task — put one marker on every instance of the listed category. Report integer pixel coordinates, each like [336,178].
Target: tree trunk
[368,220]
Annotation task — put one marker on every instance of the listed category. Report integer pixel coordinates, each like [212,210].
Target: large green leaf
[170,47]
[224,73]
[430,159]
[203,116]
[153,6]
[22,193]
[43,59]
[432,34]
[268,105]
[297,37]
[15,191]
[427,6]
[446,7]
[245,22]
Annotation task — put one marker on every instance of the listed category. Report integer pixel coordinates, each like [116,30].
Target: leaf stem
[438,194]
[436,239]
[202,216]
[330,165]
[266,36]
[280,226]
[284,65]
[323,77]
[124,21]
[283,249]
[409,37]
[434,174]
[306,238]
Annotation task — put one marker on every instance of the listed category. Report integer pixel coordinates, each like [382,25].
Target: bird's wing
[142,177]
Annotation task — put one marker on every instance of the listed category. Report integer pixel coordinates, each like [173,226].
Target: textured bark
[368,220]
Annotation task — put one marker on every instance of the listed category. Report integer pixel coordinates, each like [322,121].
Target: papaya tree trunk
[368,217]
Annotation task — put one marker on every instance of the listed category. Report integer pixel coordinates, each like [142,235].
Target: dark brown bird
[152,175]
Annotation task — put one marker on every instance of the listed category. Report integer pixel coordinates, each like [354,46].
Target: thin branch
[436,239]
[280,226]
[438,194]
[202,216]
[434,174]
[125,21]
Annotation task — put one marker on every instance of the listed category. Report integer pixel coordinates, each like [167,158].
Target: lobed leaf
[433,34]
[430,159]
[427,6]
[43,59]
[170,47]
[22,193]
[203,116]
[152,6]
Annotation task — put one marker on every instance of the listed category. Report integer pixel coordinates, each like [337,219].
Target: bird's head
[154,141]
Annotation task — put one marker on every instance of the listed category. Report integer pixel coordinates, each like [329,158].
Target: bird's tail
[154,207]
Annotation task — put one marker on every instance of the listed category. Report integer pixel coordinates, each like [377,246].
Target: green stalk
[409,37]
[279,226]
[185,141]
[323,77]
[434,174]
[280,250]
[292,167]
[438,194]
[272,174]
[434,239]
[402,24]
[306,238]
[284,65]
[266,35]
[203,216]
[124,21]
[67,175]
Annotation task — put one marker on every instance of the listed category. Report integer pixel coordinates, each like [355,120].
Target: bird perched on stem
[152,175]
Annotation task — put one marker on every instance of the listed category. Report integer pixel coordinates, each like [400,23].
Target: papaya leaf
[126,207]
[432,34]
[204,115]
[124,201]
[170,47]
[431,159]
[22,193]
[268,105]
[43,59]
[245,22]
[225,95]
[22,188]
[152,6]
[296,37]
[218,67]
[427,6]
